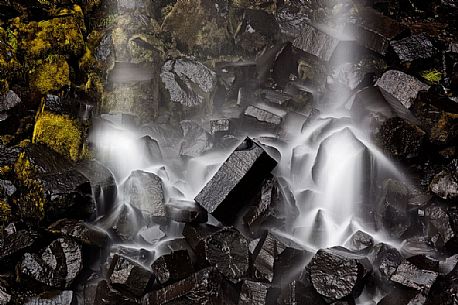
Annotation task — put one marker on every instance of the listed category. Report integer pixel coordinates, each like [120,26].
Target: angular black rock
[411,276]
[146,193]
[374,31]
[360,241]
[392,212]
[137,254]
[263,115]
[151,149]
[439,227]
[220,126]
[445,185]
[16,244]
[126,275]
[151,234]
[58,265]
[403,296]
[445,289]
[337,274]
[186,211]
[172,267]
[80,231]
[298,292]
[400,138]
[104,294]
[425,262]
[196,236]
[122,225]
[316,42]
[196,139]
[401,87]
[225,194]
[254,293]
[385,260]
[5,296]
[291,18]
[227,250]
[8,103]
[413,48]
[276,258]
[66,297]
[103,184]
[206,287]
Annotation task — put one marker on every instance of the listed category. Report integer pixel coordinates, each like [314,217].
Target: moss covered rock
[193,22]
[51,74]
[50,186]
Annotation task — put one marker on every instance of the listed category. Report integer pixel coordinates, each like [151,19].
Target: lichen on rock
[51,74]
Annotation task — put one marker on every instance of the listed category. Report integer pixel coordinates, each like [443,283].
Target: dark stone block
[16,244]
[445,185]
[360,241]
[196,236]
[206,287]
[410,276]
[385,259]
[424,262]
[439,227]
[186,211]
[413,48]
[196,140]
[298,292]
[173,267]
[255,293]
[106,295]
[80,231]
[58,265]
[338,274]
[316,42]
[66,297]
[129,276]
[225,194]
[374,31]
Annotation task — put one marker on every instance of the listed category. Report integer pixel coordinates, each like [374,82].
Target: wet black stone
[196,236]
[5,296]
[126,275]
[392,212]
[106,295]
[15,244]
[403,296]
[439,227]
[360,241]
[122,225]
[227,250]
[385,260]
[263,116]
[220,126]
[146,193]
[225,194]
[172,267]
[445,185]
[374,31]
[57,266]
[413,48]
[400,138]
[186,211]
[410,276]
[196,139]
[298,292]
[151,234]
[80,231]
[8,157]
[65,297]
[103,184]
[400,87]
[137,254]
[206,287]
[9,103]
[254,293]
[232,76]
[151,149]
[337,274]
[276,259]
[424,262]
[316,42]
[291,18]
[445,289]
[257,30]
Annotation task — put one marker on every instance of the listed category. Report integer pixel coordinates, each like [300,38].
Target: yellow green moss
[4,87]
[51,74]
[432,76]
[32,202]
[60,133]
[5,211]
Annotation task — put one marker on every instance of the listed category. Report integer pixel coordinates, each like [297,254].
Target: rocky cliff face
[197,76]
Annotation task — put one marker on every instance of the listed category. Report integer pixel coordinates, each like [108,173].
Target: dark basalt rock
[257,29]
[103,184]
[374,31]
[445,289]
[293,98]
[220,126]
[172,267]
[80,231]
[227,250]
[146,193]
[298,292]
[398,86]
[8,157]
[445,185]
[291,18]
[65,297]
[151,149]
[254,293]
[196,140]
[151,235]
[403,296]
[385,260]
[186,211]
[15,244]
[226,193]
[262,115]
[413,48]
[9,103]
[316,42]
[197,236]
[206,287]
[392,212]
[106,295]
[439,227]
[400,138]
[58,265]
[360,241]
[141,255]
[424,262]
[122,225]
[337,274]
[276,259]
[409,275]
[5,296]
[126,275]
[189,85]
